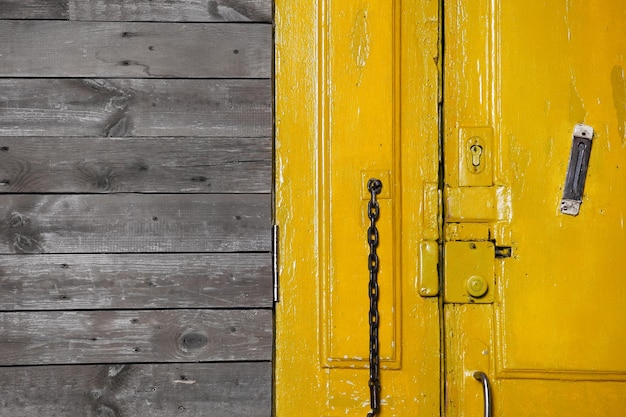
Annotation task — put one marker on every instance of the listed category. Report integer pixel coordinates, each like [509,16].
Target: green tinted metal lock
[469,272]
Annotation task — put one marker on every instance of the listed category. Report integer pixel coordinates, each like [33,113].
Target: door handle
[482,378]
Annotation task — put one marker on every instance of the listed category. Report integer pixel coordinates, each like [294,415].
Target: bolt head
[477,286]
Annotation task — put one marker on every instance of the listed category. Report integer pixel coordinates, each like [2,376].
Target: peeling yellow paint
[360,44]
[618,83]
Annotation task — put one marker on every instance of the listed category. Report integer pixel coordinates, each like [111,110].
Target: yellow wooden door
[549,332]
[531,295]
[357,86]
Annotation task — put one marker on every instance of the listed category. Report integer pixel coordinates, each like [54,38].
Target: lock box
[469,272]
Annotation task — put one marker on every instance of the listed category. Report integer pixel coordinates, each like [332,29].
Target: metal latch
[469,270]
[577,170]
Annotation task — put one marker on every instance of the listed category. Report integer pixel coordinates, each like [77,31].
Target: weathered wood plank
[108,165]
[135,107]
[34,9]
[134,223]
[122,336]
[140,10]
[191,390]
[167,10]
[86,282]
[161,50]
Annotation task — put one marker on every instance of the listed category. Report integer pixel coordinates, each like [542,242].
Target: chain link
[374,186]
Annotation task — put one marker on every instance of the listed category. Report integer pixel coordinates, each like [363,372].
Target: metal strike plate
[469,270]
[577,170]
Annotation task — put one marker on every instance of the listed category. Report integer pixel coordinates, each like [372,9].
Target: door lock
[475,157]
[469,272]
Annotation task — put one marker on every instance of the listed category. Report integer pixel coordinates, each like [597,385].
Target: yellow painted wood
[357,87]
[552,343]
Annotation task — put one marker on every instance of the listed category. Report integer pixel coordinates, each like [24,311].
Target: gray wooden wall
[135,208]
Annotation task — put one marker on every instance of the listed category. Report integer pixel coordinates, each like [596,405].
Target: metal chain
[374,186]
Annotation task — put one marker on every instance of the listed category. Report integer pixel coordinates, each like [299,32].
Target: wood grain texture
[135,107]
[134,223]
[140,10]
[86,282]
[34,9]
[121,336]
[151,165]
[142,50]
[164,390]
[172,10]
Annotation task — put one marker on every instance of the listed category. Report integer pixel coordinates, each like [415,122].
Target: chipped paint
[360,44]
[618,83]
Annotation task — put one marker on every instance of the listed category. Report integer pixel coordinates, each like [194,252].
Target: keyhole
[476,151]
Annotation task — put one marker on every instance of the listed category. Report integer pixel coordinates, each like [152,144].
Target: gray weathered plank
[161,50]
[140,10]
[123,336]
[168,10]
[34,9]
[134,223]
[135,107]
[108,165]
[164,390]
[86,282]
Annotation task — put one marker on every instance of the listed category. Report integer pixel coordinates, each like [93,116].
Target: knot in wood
[194,340]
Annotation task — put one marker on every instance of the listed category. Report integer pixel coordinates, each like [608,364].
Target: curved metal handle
[482,378]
